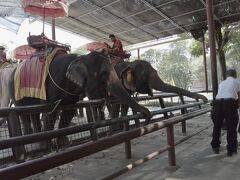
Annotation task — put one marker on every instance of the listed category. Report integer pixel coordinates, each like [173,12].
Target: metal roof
[11,15]
[135,21]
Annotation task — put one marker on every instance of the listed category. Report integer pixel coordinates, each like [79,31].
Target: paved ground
[195,159]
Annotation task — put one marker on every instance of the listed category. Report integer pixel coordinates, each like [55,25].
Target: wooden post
[128,150]
[53,29]
[161,102]
[183,111]
[138,52]
[205,63]
[211,35]
[170,141]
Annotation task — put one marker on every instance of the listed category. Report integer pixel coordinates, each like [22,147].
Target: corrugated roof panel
[133,20]
[180,7]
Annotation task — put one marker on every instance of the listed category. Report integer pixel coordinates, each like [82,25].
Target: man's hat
[2,47]
[231,72]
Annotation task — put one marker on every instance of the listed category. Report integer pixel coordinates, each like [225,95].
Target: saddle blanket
[31,74]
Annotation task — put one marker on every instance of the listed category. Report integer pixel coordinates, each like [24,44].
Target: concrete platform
[194,158]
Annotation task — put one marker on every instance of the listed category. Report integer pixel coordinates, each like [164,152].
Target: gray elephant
[139,76]
[71,77]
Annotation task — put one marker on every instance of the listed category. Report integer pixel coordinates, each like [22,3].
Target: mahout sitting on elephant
[71,76]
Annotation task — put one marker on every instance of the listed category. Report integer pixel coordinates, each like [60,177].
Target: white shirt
[228,88]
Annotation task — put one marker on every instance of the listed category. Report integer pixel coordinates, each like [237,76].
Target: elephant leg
[137,121]
[124,110]
[65,119]
[115,111]
[49,121]
[37,126]
[81,114]
[115,114]
[48,124]
[26,122]
[101,113]
[98,113]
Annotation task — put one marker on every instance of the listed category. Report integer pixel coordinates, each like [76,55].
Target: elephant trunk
[156,83]
[116,89]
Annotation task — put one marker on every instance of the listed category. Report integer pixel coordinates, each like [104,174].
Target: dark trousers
[225,109]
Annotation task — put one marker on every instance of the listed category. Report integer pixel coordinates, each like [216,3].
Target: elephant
[70,78]
[139,76]
[6,70]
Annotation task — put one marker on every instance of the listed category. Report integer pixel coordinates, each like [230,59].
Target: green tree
[223,36]
[152,56]
[173,65]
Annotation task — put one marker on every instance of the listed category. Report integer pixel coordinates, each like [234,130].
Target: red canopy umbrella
[95,45]
[50,8]
[23,52]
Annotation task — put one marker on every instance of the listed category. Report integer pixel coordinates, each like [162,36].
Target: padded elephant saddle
[31,74]
[43,42]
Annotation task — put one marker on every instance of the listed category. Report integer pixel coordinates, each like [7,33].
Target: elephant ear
[127,72]
[128,78]
[77,73]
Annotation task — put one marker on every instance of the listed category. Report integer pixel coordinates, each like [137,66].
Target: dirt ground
[108,161]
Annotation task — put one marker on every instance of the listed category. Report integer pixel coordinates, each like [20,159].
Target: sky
[12,40]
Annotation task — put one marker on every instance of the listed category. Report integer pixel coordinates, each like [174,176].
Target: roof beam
[196,23]
[126,17]
[198,10]
[134,14]
[117,17]
[98,30]
[145,10]
[99,8]
[163,15]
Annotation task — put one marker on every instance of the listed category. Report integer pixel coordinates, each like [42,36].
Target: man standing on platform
[226,107]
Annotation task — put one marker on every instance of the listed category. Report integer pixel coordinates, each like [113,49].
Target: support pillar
[53,29]
[205,63]
[138,52]
[211,35]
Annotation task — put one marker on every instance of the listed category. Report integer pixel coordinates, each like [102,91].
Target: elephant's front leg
[65,119]
[37,126]
[49,120]
[26,121]
[115,109]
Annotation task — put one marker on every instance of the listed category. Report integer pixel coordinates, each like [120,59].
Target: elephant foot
[62,141]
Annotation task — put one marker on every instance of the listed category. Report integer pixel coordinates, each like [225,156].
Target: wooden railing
[17,141]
